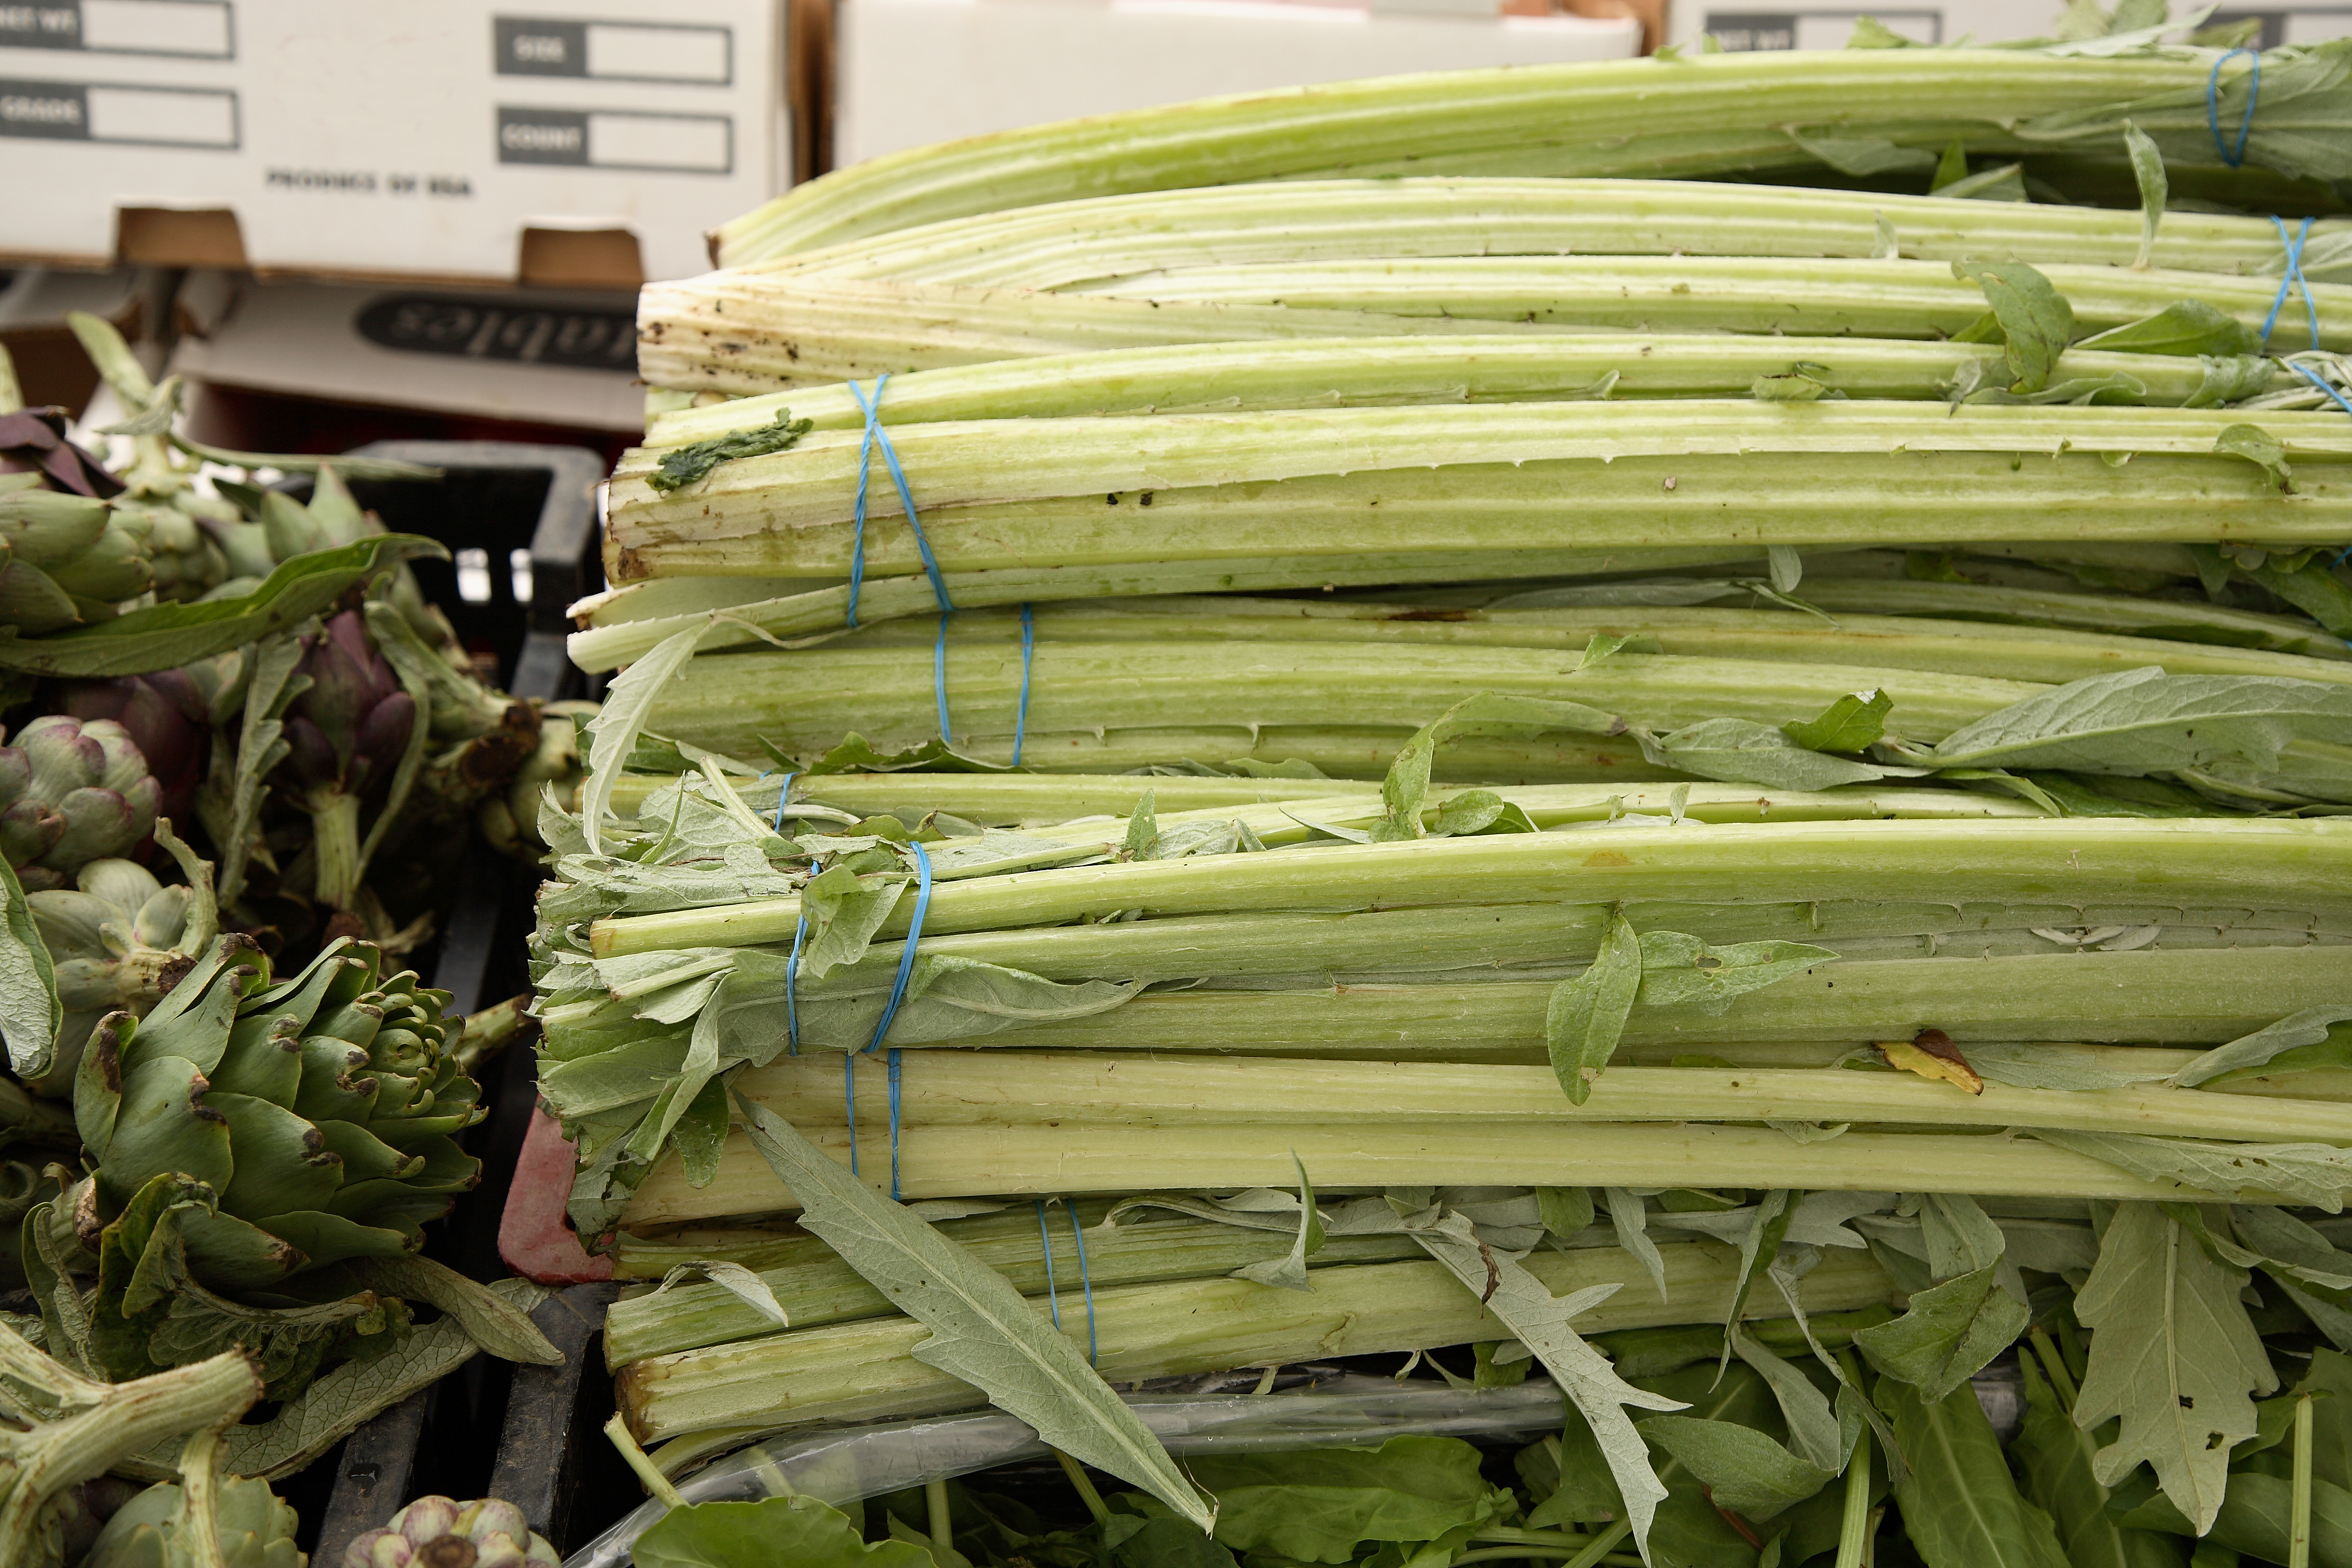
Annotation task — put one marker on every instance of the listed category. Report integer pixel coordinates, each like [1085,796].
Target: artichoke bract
[435,1532]
[168,715]
[254,1526]
[249,1136]
[346,734]
[119,941]
[71,793]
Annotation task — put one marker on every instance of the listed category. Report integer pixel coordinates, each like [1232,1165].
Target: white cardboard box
[1762,24]
[389,138]
[912,71]
[541,357]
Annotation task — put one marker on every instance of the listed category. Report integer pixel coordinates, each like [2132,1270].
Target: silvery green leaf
[843,912]
[2048,1246]
[1862,155]
[613,734]
[2139,721]
[1961,1237]
[2051,1066]
[1740,751]
[1767,1226]
[1488,713]
[2173,1356]
[1472,811]
[1822,1219]
[1629,1216]
[739,1281]
[261,746]
[983,1331]
[2277,1237]
[1679,970]
[2036,321]
[933,1210]
[2313,1174]
[1854,722]
[1565,1210]
[1290,1272]
[2308,1027]
[1742,1470]
[1142,840]
[1540,1321]
[1351,834]
[489,1320]
[1813,1432]
[30,1014]
[2259,447]
[2147,170]
[1949,1333]
[1585,1017]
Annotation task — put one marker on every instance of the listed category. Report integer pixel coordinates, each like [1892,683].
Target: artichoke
[70,555]
[346,734]
[255,1146]
[71,793]
[509,821]
[253,1527]
[168,715]
[435,1533]
[119,941]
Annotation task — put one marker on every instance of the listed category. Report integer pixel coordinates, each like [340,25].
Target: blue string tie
[1028,652]
[2233,156]
[800,934]
[1045,1243]
[889,1012]
[2293,280]
[877,436]
[1086,1281]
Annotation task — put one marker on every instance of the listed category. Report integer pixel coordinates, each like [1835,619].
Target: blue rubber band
[783,795]
[849,1103]
[2237,156]
[793,968]
[2304,372]
[889,1012]
[2294,277]
[1028,652]
[877,436]
[891,1056]
[1046,1241]
[1079,1236]
[939,679]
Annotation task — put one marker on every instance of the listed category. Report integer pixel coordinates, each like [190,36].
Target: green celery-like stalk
[1372,372]
[1078,242]
[1107,1091]
[965,1160]
[866,1371]
[758,331]
[821,1289]
[1681,117]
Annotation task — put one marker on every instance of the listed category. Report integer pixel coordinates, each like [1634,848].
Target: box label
[191,29]
[497,329]
[114,112]
[686,53]
[617,139]
[1740,31]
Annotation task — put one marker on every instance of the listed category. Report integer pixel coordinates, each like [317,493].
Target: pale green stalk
[2268,863]
[1679,117]
[1024,1160]
[1360,372]
[755,333]
[1304,221]
[2298,1539]
[865,1371]
[1110,1091]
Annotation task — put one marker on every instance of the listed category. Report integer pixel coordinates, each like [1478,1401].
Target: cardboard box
[532,356]
[912,71]
[1751,24]
[512,140]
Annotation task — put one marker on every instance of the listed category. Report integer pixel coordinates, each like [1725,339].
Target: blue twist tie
[889,1012]
[1046,1242]
[2235,156]
[939,679]
[1079,1236]
[2292,279]
[2308,376]
[877,436]
[783,795]
[1028,651]
[792,1011]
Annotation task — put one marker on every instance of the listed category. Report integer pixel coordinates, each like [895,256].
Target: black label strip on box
[574,337]
[181,29]
[120,114]
[1739,31]
[617,139]
[687,54]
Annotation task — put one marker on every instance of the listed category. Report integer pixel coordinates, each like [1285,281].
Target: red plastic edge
[533,1235]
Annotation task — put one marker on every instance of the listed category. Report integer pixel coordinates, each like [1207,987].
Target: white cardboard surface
[389,137]
[542,356]
[912,71]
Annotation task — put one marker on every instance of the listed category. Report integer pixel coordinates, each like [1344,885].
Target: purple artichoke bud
[86,794]
[167,717]
[349,729]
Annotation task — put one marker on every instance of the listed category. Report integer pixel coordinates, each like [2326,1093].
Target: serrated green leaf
[1950,1332]
[981,1330]
[1290,1272]
[2036,321]
[2173,1356]
[1854,722]
[2308,1027]
[2314,1173]
[2051,1066]
[1741,751]
[1586,1017]
[613,734]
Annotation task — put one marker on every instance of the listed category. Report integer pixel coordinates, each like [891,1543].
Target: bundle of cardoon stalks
[1400,763]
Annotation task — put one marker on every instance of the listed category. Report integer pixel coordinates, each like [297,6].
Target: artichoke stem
[108,1423]
[335,830]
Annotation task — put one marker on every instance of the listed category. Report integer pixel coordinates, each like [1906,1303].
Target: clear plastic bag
[843,1464]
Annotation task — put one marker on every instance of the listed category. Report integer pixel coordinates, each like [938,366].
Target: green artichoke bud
[435,1533]
[249,1137]
[71,793]
[119,941]
[166,1526]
